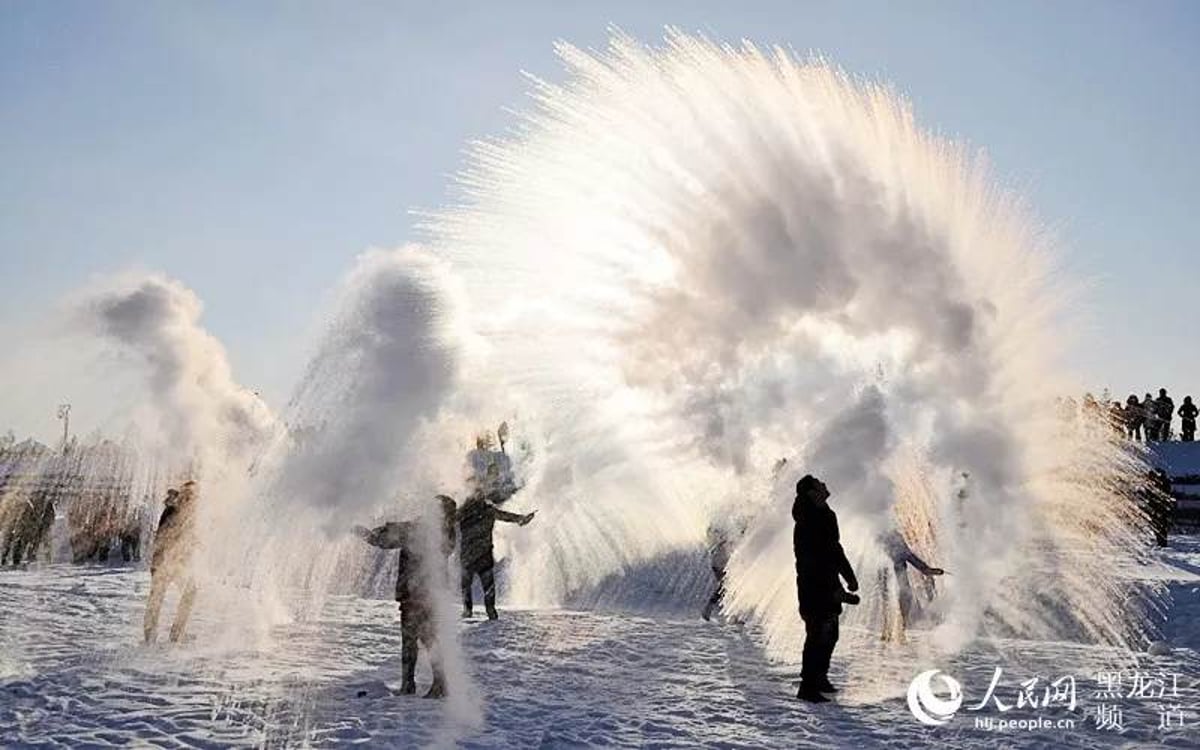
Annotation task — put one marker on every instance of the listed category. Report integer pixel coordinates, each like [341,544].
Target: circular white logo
[927,707]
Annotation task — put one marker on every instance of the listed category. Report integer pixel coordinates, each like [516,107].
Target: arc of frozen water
[698,258]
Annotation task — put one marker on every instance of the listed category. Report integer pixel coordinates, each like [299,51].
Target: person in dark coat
[1135,417]
[1164,407]
[1153,423]
[1188,413]
[476,523]
[416,579]
[174,544]
[820,561]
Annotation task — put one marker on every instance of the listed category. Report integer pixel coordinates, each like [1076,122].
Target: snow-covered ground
[73,674]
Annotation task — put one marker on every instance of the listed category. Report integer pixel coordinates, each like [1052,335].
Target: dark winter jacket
[1164,408]
[406,537]
[820,559]
[400,535]
[476,523]
[1189,412]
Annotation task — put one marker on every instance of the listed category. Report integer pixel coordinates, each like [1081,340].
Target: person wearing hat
[820,562]
[171,562]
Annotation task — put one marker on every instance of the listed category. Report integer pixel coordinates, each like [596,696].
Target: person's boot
[467,613]
[825,686]
[493,614]
[810,694]
[436,690]
[408,670]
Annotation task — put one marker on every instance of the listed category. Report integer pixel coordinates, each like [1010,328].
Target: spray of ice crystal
[697,259]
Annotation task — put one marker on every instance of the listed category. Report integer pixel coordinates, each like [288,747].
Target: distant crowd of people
[90,484]
[1147,419]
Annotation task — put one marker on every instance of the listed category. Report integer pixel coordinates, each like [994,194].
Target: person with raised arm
[476,524]
[423,543]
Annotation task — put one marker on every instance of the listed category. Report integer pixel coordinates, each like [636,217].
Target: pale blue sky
[253,149]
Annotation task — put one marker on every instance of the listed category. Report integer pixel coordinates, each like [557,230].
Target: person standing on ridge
[1150,409]
[1165,408]
[1187,414]
[174,545]
[476,524]
[1134,418]
[820,561]
[416,579]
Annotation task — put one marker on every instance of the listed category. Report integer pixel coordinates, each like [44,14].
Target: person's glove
[852,584]
[936,572]
[528,517]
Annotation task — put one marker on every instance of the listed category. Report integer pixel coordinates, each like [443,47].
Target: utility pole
[64,413]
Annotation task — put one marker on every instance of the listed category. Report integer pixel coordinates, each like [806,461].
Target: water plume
[190,420]
[686,263]
[383,369]
[696,259]
[371,402]
[199,413]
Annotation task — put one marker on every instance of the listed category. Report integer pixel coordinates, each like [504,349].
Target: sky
[252,150]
